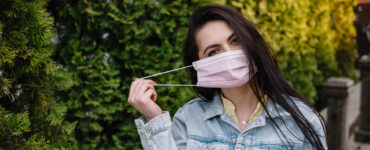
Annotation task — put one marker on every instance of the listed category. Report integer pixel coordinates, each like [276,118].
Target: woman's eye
[212,52]
[235,41]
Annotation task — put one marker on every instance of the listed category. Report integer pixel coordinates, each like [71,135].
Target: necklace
[244,123]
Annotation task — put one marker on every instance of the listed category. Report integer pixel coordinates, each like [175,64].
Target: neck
[241,97]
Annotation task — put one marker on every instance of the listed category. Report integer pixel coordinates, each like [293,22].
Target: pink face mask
[228,69]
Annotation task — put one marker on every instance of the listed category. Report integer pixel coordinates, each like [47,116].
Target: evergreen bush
[101,46]
[105,46]
[312,39]
[31,112]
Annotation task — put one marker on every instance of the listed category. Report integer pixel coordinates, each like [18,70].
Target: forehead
[213,32]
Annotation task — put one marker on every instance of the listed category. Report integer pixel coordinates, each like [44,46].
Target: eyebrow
[215,45]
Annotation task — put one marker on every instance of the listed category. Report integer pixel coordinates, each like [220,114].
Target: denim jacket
[202,125]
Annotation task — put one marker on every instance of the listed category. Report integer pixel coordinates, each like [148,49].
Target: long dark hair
[268,80]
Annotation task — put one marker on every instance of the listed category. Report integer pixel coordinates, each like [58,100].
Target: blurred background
[66,65]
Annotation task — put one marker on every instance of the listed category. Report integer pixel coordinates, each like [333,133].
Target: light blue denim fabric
[202,125]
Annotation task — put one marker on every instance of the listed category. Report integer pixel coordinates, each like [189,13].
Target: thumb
[154,95]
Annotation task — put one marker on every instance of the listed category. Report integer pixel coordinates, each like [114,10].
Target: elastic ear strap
[174,85]
[157,74]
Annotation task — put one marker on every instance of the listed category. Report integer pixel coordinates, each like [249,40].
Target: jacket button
[149,131]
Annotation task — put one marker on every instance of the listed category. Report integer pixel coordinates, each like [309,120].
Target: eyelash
[235,40]
[211,52]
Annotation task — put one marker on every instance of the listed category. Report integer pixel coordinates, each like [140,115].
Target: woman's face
[216,37]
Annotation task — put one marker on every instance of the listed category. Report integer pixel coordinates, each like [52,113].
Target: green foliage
[31,113]
[102,46]
[105,46]
[13,131]
[15,124]
[312,39]
[36,142]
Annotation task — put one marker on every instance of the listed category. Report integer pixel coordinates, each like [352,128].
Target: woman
[245,101]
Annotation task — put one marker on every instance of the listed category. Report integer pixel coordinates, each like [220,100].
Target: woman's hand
[143,96]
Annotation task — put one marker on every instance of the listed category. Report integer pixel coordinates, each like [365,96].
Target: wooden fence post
[363,133]
[336,91]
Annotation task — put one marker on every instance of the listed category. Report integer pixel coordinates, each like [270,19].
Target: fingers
[138,89]
[137,85]
[142,87]
[154,96]
[148,93]
[132,90]
[142,81]
[142,97]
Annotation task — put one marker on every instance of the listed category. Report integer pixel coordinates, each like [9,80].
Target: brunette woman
[245,102]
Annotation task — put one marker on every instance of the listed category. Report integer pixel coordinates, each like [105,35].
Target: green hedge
[101,46]
[312,39]
[31,112]
[105,46]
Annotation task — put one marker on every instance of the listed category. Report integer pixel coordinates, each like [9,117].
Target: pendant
[244,123]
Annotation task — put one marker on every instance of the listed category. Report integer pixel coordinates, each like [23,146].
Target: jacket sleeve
[162,134]
[179,129]
[319,127]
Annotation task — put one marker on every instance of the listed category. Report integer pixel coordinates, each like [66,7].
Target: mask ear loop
[174,85]
[157,74]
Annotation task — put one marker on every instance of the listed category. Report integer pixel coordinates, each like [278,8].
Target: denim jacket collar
[215,108]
